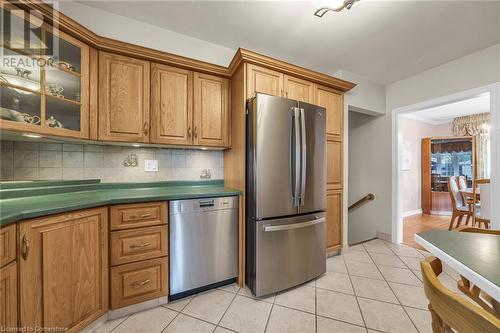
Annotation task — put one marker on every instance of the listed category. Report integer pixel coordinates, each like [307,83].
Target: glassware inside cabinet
[60,113]
[20,105]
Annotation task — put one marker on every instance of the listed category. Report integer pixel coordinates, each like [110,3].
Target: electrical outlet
[151,165]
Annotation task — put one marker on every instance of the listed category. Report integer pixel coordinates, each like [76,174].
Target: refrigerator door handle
[269,228]
[297,156]
[292,164]
[304,157]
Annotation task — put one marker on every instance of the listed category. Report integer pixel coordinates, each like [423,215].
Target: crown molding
[73,28]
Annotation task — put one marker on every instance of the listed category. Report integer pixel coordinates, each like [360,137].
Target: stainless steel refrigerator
[285,193]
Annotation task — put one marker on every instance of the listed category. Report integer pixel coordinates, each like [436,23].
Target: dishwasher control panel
[203,204]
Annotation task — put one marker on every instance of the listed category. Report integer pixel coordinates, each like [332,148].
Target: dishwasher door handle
[269,228]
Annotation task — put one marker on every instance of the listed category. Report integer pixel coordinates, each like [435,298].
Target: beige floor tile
[385,317]
[399,275]
[364,270]
[222,330]
[209,306]
[387,260]
[179,304]
[150,321]
[311,283]
[186,324]
[410,295]
[375,289]
[377,246]
[417,273]
[357,256]
[336,282]
[246,292]
[412,262]
[336,264]
[284,320]
[421,318]
[326,325]
[300,298]
[109,325]
[358,247]
[405,251]
[233,287]
[338,306]
[247,315]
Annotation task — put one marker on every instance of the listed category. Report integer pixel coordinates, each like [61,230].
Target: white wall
[475,70]
[367,97]
[413,132]
[128,30]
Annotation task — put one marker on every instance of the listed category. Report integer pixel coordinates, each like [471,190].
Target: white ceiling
[446,113]
[383,41]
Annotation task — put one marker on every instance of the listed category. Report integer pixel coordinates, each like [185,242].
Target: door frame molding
[397,142]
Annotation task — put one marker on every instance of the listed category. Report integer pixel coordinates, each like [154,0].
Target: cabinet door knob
[140,246]
[142,216]
[189,132]
[138,284]
[146,128]
[26,247]
[196,132]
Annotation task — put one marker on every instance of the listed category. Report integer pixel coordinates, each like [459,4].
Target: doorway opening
[441,149]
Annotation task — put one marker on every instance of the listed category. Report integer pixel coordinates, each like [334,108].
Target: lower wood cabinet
[8,296]
[334,214]
[138,282]
[63,269]
[7,244]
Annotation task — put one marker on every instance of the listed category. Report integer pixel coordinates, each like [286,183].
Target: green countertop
[26,200]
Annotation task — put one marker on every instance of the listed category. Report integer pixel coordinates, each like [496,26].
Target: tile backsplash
[55,161]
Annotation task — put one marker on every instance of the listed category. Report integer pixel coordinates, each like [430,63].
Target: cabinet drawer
[7,244]
[138,282]
[138,244]
[138,215]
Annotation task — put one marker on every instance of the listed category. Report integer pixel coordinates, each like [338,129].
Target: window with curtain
[477,125]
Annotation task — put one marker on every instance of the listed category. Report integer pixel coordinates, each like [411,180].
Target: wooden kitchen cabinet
[334,213]
[63,269]
[298,89]
[211,111]
[7,244]
[8,296]
[333,102]
[263,80]
[334,165]
[171,105]
[124,98]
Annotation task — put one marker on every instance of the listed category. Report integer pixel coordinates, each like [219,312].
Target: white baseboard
[412,212]
[445,213]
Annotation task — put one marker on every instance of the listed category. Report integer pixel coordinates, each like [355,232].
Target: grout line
[121,322]
[164,328]
[356,298]
[406,312]
[225,311]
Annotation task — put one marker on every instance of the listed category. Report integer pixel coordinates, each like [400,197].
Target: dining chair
[482,211]
[460,209]
[451,311]
[474,292]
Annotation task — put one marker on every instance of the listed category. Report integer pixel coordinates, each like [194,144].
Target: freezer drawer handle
[268,228]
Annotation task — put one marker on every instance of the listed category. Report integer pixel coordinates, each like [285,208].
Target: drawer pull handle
[26,247]
[140,216]
[138,284]
[140,246]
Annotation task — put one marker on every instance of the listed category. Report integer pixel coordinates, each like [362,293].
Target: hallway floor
[423,222]
[371,287]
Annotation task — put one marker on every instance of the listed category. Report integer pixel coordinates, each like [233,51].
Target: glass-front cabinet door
[44,78]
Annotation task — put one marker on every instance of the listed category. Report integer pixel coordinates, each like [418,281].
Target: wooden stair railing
[368,197]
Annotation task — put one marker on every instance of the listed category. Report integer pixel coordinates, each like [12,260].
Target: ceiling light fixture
[345,4]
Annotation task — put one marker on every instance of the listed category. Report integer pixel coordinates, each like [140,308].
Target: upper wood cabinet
[45,84]
[63,268]
[171,105]
[334,165]
[263,80]
[333,102]
[124,98]
[298,89]
[211,114]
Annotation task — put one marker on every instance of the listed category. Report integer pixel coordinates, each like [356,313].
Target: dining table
[475,256]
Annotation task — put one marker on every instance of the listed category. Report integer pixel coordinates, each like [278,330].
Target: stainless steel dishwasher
[203,244]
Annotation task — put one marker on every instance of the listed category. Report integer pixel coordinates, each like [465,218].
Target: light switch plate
[151,165]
